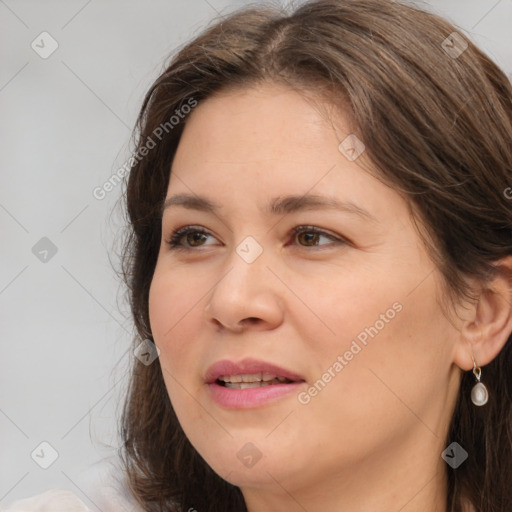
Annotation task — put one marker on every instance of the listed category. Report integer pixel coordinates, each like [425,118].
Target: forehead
[247,145]
[264,121]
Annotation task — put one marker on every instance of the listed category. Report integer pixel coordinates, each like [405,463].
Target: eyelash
[176,236]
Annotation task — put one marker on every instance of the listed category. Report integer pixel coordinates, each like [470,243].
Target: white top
[101,487]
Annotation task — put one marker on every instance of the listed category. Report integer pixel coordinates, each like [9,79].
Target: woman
[320,268]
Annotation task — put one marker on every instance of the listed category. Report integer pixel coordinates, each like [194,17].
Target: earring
[479,393]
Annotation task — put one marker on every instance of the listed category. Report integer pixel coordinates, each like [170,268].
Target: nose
[247,296]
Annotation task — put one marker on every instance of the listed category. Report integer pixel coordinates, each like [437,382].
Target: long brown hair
[436,123]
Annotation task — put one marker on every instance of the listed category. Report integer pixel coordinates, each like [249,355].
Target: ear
[488,322]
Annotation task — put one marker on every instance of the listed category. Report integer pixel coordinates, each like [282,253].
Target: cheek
[172,299]
[162,305]
[168,319]
[173,313]
[401,366]
[351,307]
[390,333]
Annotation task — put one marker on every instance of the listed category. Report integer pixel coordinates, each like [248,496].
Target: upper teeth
[252,377]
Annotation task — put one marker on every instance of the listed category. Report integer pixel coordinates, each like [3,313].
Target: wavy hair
[436,124]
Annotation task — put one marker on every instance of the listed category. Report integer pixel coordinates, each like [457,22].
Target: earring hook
[477,371]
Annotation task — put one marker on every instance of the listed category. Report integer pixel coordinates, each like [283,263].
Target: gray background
[66,123]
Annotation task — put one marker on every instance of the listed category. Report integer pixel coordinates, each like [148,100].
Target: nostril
[239,326]
[251,320]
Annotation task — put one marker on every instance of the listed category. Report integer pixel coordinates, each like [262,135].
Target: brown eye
[194,238]
[308,238]
[188,237]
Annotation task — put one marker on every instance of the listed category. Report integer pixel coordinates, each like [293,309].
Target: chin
[254,464]
[264,474]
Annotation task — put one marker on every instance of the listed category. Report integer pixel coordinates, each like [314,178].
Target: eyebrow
[277,206]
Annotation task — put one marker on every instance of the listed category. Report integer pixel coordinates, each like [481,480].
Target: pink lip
[226,367]
[251,397]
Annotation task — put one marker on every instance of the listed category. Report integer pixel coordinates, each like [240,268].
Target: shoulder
[53,500]
[105,486]
[102,486]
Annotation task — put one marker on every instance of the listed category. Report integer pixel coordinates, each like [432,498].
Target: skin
[372,438]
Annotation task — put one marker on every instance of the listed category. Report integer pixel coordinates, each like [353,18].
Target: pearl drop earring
[479,393]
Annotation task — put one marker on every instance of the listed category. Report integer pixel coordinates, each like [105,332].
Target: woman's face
[278,281]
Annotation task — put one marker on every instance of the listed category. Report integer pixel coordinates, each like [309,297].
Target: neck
[409,476]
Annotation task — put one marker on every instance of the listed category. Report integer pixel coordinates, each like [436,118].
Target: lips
[250,384]
[249,373]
